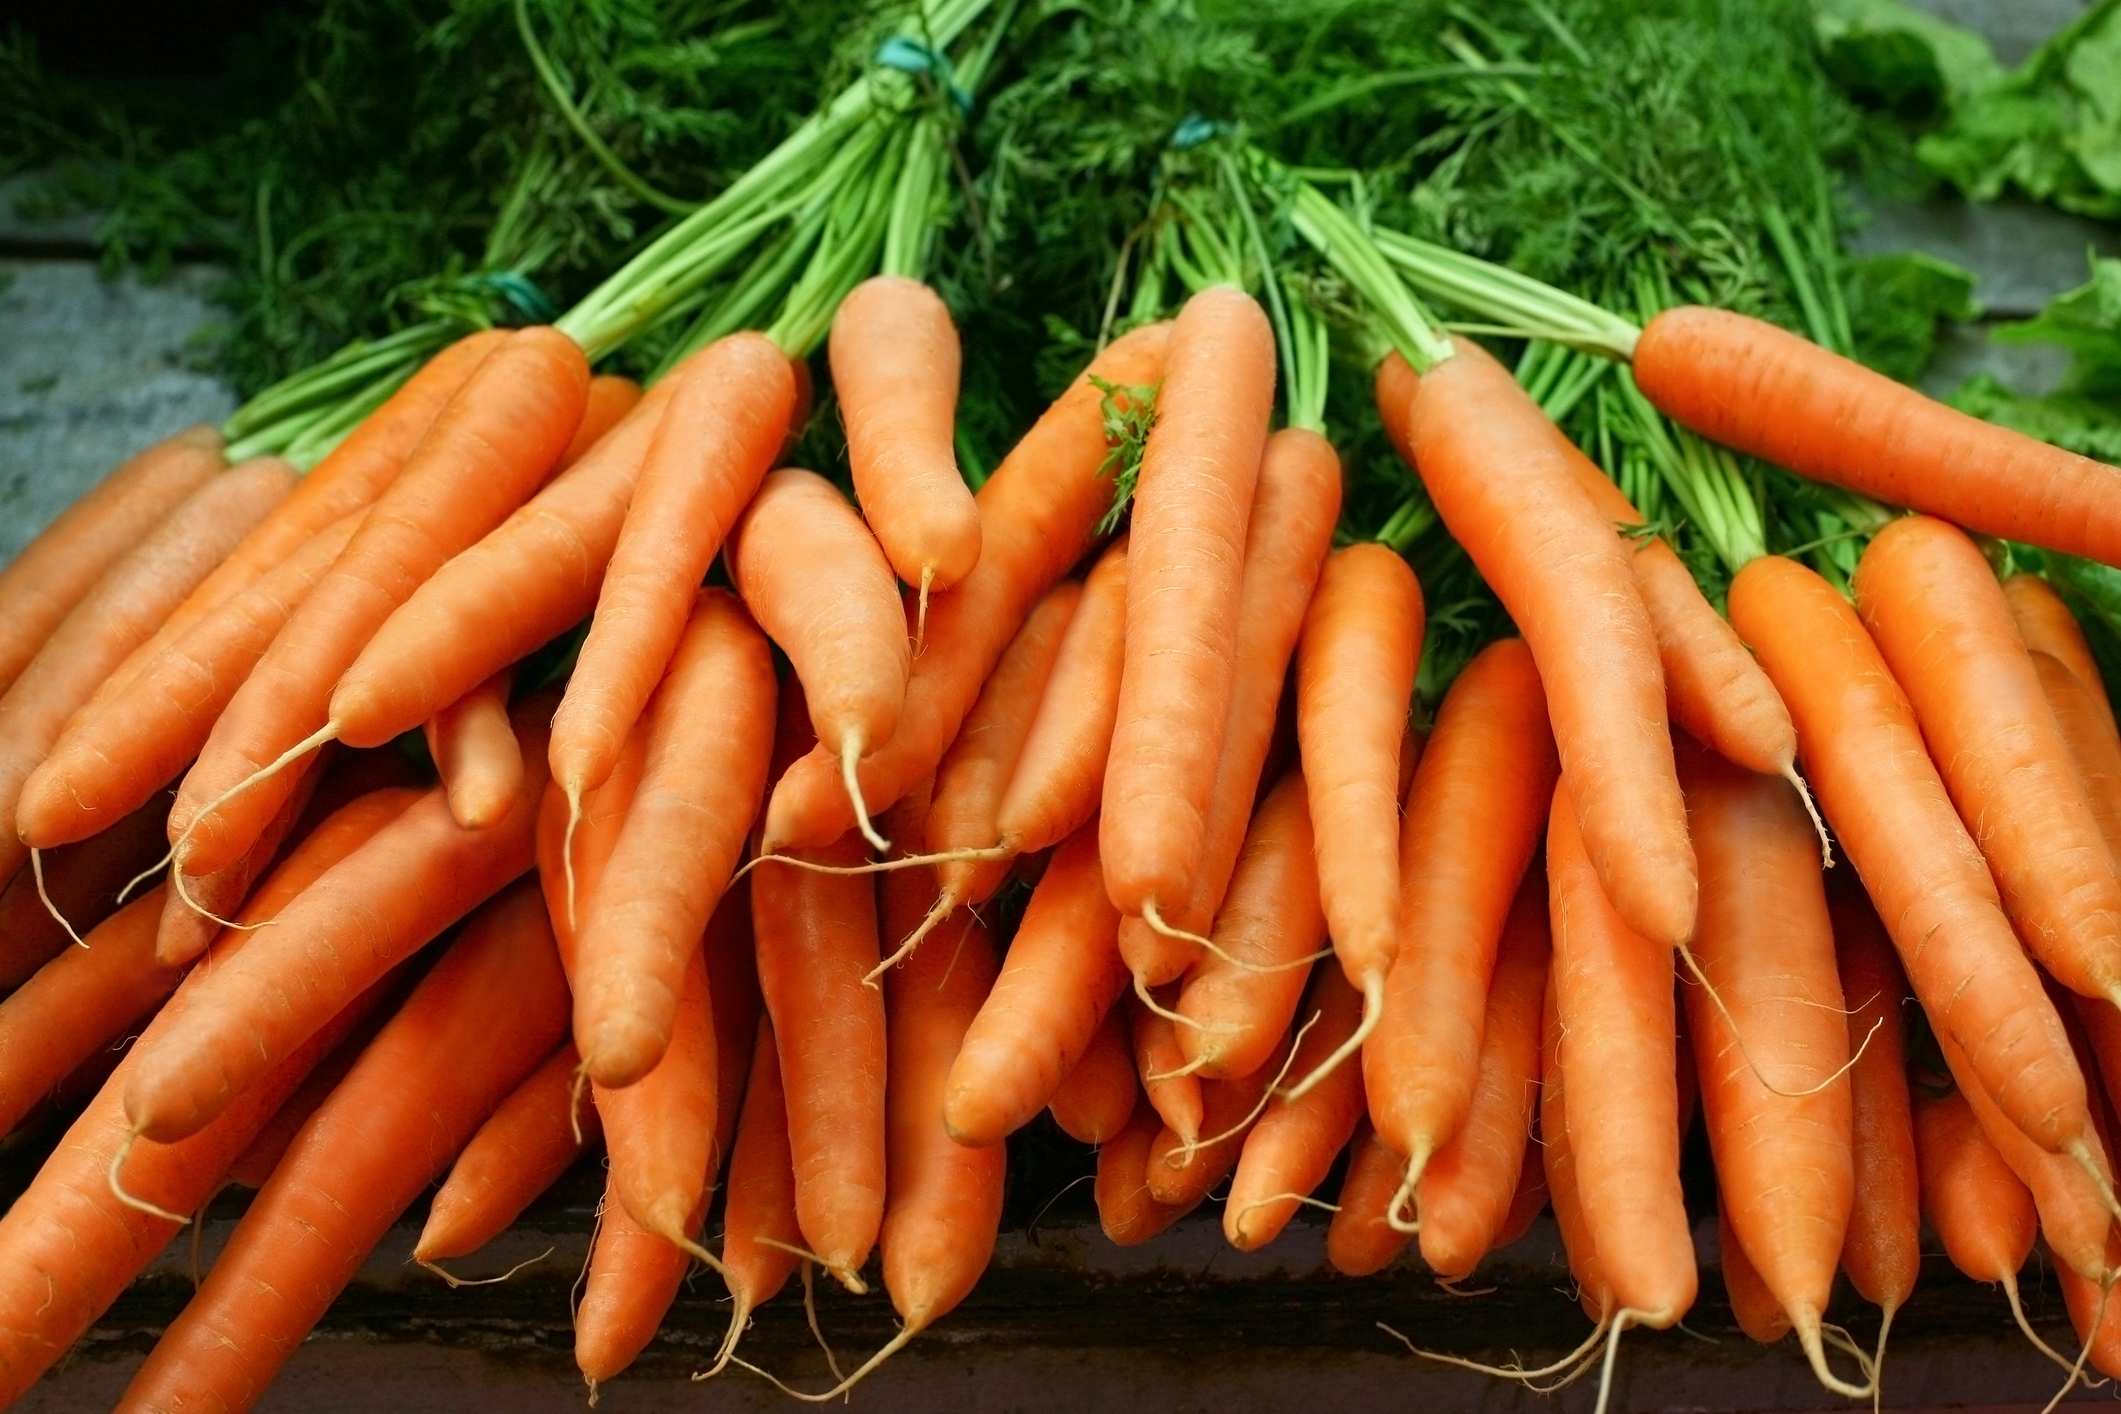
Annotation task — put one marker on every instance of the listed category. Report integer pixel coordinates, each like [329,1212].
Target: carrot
[2088,1303]
[1240,998]
[660,1130]
[1759,1313]
[519,1152]
[895,366]
[1060,770]
[1866,761]
[719,432]
[119,613]
[121,748]
[1126,1210]
[631,1282]
[83,882]
[1095,1098]
[1882,1253]
[476,754]
[1558,1160]
[1765,943]
[733,983]
[1359,1241]
[1183,1170]
[1467,1192]
[414,878]
[609,400]
[709,737]
[1480,796]
[523,584]
[1287,1154]
[1295,504]
[1354,689]
[2094,746]
[1526,1204]
[1970,1197]
[1173,1091]
[1055,993]
[1488,457]
[812,575]
[474,1027]
[57,569]
[2047,626]
[758,1222]
[1749,385]
[1038,516]
[1192,507]
[975,771]
[1945,629]
[486,453]
[1614,994]
[253,1168]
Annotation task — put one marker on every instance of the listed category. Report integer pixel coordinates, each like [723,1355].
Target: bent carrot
[519,1152]
[1486,453]
[1882,1253]
[1831,419]
[1096,1097]
[475,753]
[1038,516]
[1865,758]
[1944,627]
[1286,1155]
[1192,506]
[895,366]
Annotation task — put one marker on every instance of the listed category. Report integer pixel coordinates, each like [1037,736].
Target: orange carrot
[1060,770]
[709,737]
[1480,796]
[1558,1159]
[1759,1313]
[254,1166]
[1173,1091]
[2047,626]
[631,1283]
[1618,1048]
[660,1130]
[1287,1154]
[474,1027]
[1360,1241]
[1970,1197]
[414,878]
[2084,1298]
[1467,1192]
[58,568]
[1487,455]
[721,429]
[475,753]
[1354,688]
[1058,982]
[1866,761]
[1294,507]
[83,881]
[1038,516]
[486,453]
[116,616]
[758,1221]
[1941,621]
[610,399]
[895,366]
[1882,1253]
[1241,998]
[1183,1171]
[1526,1204]
[2094,745]
[1096,1097]
[1750,385]
[1128,1213]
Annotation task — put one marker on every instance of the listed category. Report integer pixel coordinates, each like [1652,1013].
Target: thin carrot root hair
[117,1189]
[1404,1202]
[817,1333]
[36,869]
[945,901]
[1194,1146]
[1155,919]
[329,732]
[1807,1323]
[1811,808]
[1373,1007]
[2025,1327]
[739,1318]
[1450,1287]
[1570,1366]
[574,1100]
[144,875]
[969,855]
[2081,1152]
[1156,1008]
[573,791]
[846,1276]
[1885,1328]
[1694,966]
[920,622]
[456,1282]
[1303,1199]
[176,881]
[675,1236]
[890,1348]
[2091,1334]
[850,757]
[1191,1067]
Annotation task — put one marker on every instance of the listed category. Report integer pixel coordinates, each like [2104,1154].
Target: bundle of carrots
[705,889]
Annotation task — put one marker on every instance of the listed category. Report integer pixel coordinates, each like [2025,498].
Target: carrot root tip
[1403,1213]
[920,621]
[2078,1150]
[573,789]
[149,872]
[329,732]
[117,1188]
[1266,1097]
[457,1282]
[890,1348]
[1569,1367]
[945,903]
[1373,1006]
[36,869]
[846,1276]
[2025,1327]
[1156,1008]
[1807,1323]
[851,748]
[739,1318]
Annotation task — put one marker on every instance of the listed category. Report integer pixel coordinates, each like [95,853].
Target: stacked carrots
[711,901]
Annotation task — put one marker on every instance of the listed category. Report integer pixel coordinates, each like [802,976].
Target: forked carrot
[475,753]
[1096,1098]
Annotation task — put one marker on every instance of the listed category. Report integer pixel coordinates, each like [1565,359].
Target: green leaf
[2087,322]
[1902,56]
[1896,303]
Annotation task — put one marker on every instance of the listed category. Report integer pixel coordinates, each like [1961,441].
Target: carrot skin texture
[1486,453]
[1294,509]
[1359,1241]
[761,1201]
[633,1279]
[1126,1210]
[474,1027]
[2047,626]
[1172,1091]
[660,1130]
[1038,516]
[486,453]
[414,878]
[895,365]
[1056,988]
[610,399]
[1060,770]
[1864,756]
[724,423]
[1096,1097]
[519,1152]
[186,932]
[1557,1157]
[1614,995]
[1759,1314]
[1293,1145]
[1970,1197]
[1749,385]
[1466,1192]
[1478,803]
[1354,689]
[1882,1253]
[57,569]
[476,754]
[1940,619]
[709,736]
